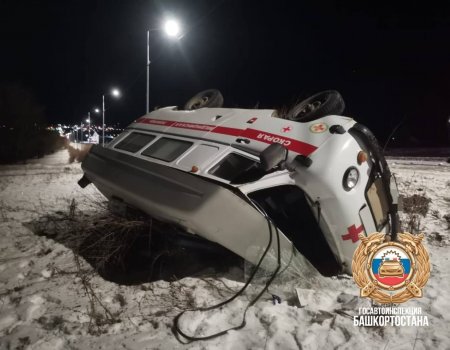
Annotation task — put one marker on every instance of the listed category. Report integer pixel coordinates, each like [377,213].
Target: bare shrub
[19,144]
[109,239]
[23,343]
[106,245]
[99,314]
[119,298]
[446,217]
[435,214]
[415,206]
[51,323]
[100,240]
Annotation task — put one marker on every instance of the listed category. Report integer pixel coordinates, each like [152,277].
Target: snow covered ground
[44,305]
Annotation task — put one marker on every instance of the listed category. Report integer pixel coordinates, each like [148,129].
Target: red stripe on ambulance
[228,131]
[144,120]
[291,144]
[257,135]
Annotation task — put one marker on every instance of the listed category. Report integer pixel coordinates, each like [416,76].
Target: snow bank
[43,304]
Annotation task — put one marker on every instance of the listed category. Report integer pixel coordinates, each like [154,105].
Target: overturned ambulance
[236,176]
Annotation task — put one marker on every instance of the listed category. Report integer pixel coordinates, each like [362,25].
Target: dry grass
[103,241]
[109,239]
[99,313]
[106,245]
[415,206]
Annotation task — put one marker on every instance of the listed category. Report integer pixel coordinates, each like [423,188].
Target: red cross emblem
[353,232]
[286,129]
[319,127]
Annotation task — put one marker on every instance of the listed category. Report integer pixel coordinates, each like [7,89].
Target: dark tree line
[22,126]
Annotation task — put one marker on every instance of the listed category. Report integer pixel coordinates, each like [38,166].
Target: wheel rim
[208,98]
[200,102]
[320,104]
[310,107]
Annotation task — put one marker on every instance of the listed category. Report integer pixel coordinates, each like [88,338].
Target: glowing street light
[172,28]
[88,121]
[115,93]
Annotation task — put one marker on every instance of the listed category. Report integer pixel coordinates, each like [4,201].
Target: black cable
[393,132]
[176,327]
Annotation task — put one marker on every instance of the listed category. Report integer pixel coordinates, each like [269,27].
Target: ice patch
[54,344]
[24,264]
[36,309]
[108,299]
[316,299]
[7,321]
[46,273]
[115,328]
[36,299]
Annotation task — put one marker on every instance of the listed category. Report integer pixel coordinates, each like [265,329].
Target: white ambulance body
[209,171]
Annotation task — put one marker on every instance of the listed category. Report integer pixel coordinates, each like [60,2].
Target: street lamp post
[88,121]
[172,29]
[148,72]
[89,126]
[103,120]
[115,93]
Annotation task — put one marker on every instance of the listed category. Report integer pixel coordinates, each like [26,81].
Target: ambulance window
[167,149]
[134,142]
[231,166]
[197,156]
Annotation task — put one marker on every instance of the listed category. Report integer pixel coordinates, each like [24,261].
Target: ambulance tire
[210,98]
[317,106]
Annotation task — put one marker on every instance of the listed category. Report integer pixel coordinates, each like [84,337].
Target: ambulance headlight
[351,177]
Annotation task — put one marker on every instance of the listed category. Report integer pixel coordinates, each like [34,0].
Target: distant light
[172,28]
[96,110]
[88,121]
[115,92]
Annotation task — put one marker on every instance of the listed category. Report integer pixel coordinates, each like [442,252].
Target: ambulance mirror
[273,156]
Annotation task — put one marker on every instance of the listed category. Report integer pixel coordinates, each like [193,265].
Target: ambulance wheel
[208,98]
[317,106]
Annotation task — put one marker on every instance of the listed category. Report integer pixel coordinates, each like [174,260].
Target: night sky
[390,62]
